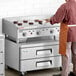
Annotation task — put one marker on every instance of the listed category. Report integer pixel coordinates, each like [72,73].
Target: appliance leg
[22,74]
[25,73]
[6,67]
[60,68]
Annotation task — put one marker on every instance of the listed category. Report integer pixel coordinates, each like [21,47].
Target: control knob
[40,22]
[31,23]
[24,34]
[19,24]
[38,32]
[25,21]
[51,31]
[15,22]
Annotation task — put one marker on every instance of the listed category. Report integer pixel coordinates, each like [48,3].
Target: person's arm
[59,16]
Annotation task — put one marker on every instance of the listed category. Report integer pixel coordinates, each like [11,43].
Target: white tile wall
[42,7]
[10,8]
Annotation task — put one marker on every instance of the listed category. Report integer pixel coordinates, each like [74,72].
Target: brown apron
[63,38]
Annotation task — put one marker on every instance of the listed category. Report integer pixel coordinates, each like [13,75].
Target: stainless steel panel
[37,52]
[1,58]
[15,28]
[2,55]
[1,69]
[1,45]
[41,63]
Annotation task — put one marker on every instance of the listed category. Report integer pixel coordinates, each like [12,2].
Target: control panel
[53,32]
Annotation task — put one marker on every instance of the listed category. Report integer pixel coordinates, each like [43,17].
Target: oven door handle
[44,63]
[44,51]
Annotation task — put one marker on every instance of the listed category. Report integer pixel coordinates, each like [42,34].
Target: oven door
[37,52]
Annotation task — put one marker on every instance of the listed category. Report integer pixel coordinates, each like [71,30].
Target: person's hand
[47,20]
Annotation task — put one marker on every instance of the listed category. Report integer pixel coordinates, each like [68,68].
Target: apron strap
[63,38]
